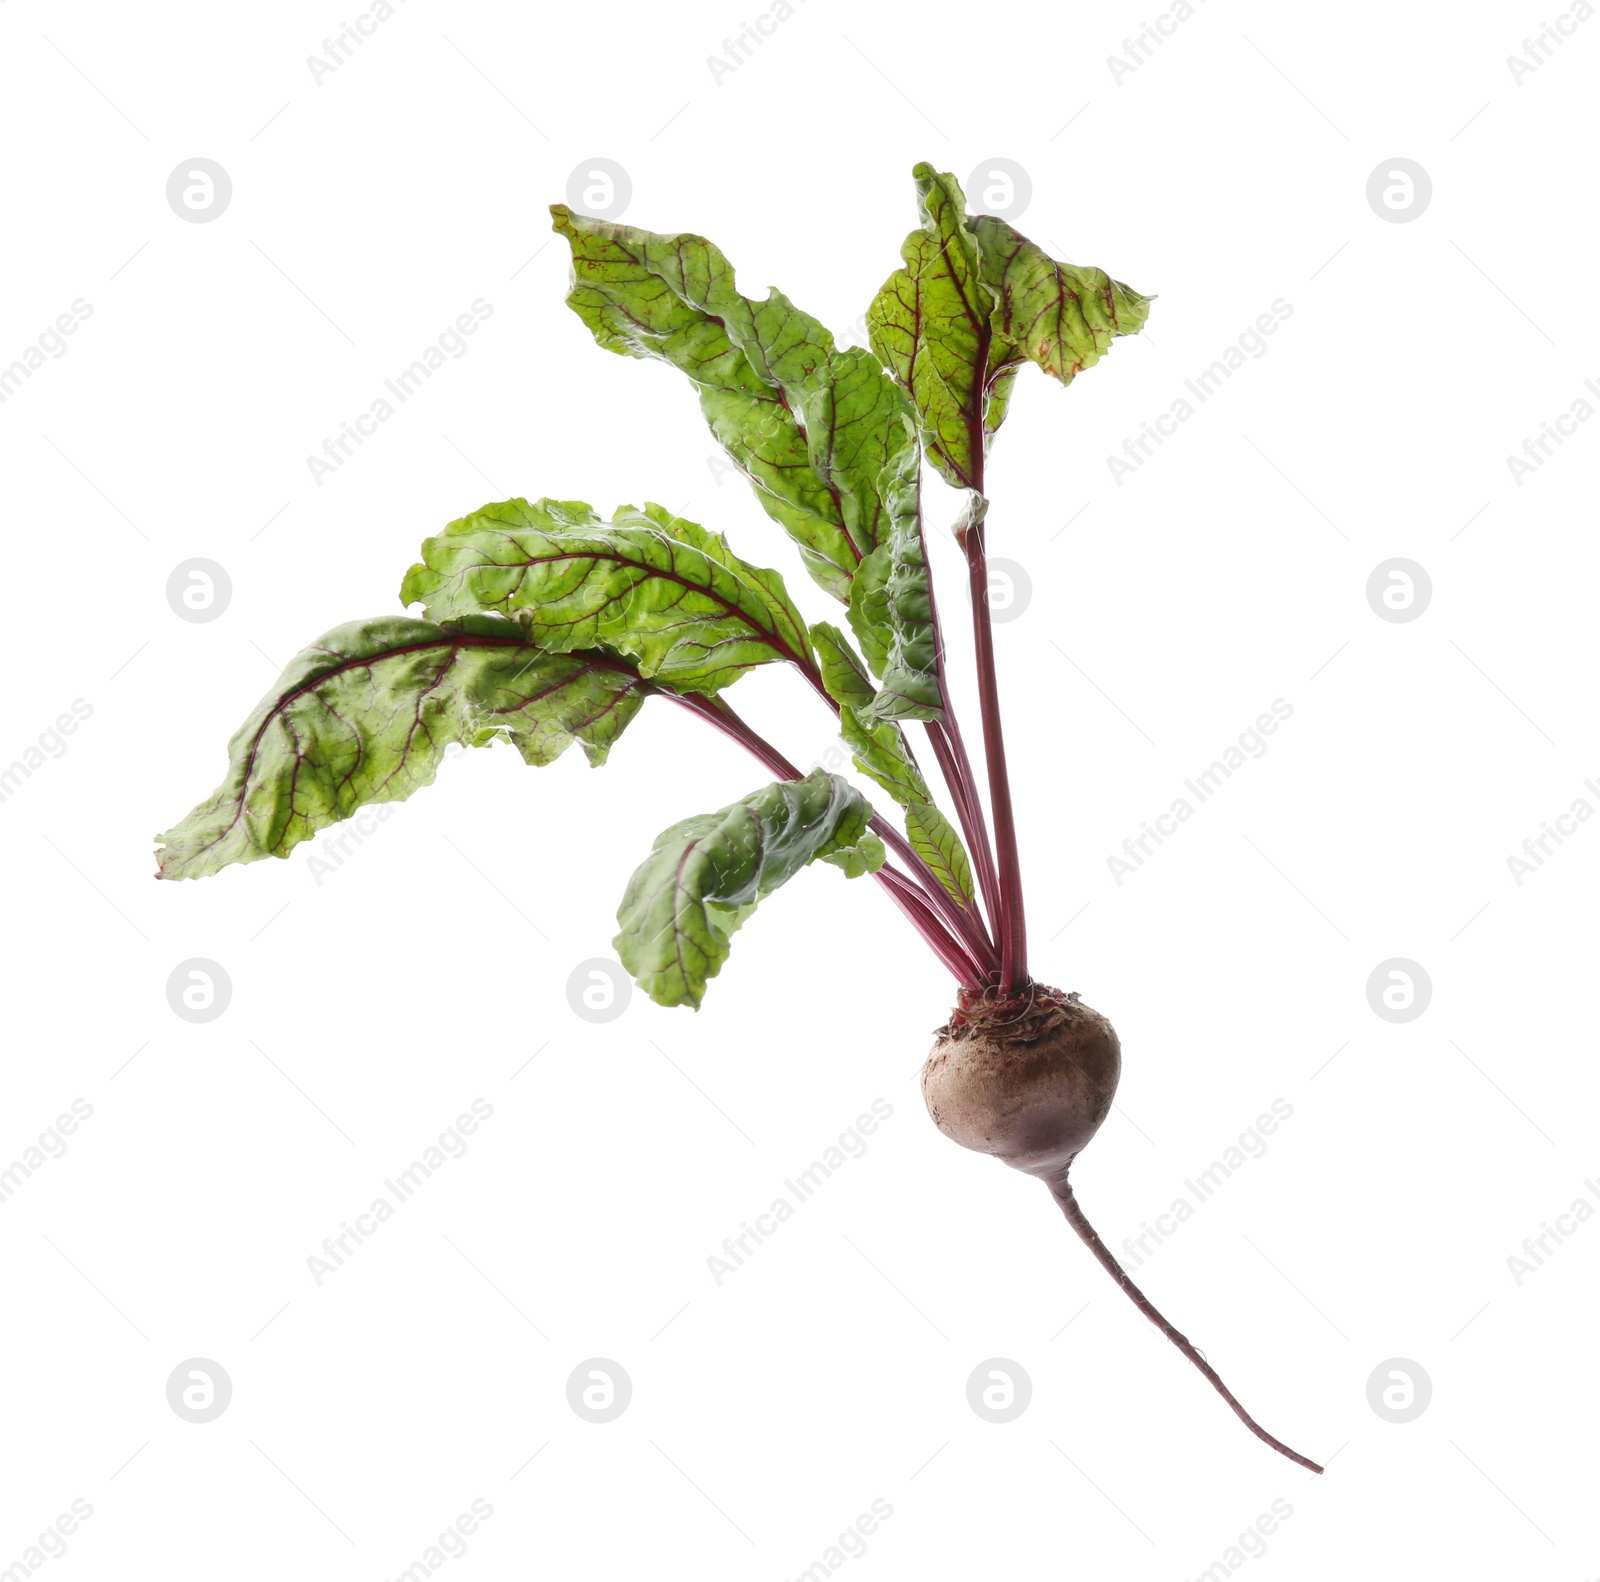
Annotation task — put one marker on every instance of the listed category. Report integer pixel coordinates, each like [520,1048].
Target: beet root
[1029,1079]
[1029,1082]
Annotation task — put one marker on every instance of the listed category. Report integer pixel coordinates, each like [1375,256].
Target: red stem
[951,754]
[967,925]
[909,899]
[1012,925]
[732,726]
[954,765]
[1062,1193]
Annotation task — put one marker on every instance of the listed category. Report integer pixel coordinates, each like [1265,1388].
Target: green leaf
[869,608]
[935,841]
[812,427]
[705,875]
[881,753]
[365,714]
[843,674]
[860,434]
[930,323]
[975,300]
[648,584]
[910,666]
[1060,317]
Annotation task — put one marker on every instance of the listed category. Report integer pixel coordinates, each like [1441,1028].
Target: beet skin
[1029,1083]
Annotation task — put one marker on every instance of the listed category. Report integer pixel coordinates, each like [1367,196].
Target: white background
[429,969]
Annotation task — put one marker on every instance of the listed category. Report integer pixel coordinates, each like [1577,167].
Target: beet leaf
[811,426]
[365,714]
[973,302]
[705,875]
[663,590]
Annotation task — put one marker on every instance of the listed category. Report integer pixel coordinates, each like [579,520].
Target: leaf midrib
[767,635]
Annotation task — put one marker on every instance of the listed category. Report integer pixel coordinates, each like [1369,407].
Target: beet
[1029,1078]
[1030,1086]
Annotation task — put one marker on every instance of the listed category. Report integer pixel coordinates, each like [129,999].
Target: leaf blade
[364,715]
[936,842]
[706,874]
[881,754]
[930,325]
[974,300]
[810,426]
[844,675]
[657,587]
[912,688]
[1060,317]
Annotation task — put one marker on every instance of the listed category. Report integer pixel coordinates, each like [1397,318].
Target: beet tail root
[1063,1194]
